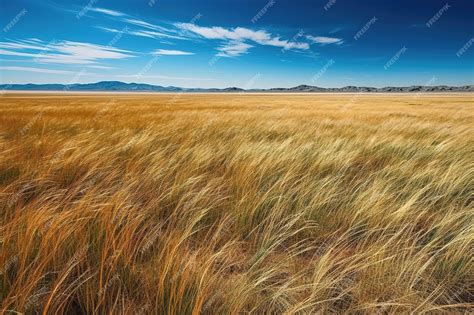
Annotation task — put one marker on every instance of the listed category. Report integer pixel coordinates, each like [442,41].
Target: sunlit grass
[235,203]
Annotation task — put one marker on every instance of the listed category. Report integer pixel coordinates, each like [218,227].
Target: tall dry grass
[226,204]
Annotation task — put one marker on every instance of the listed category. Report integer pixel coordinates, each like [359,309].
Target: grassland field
[236,203]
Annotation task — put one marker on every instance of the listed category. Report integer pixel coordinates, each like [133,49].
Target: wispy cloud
[101,67]
[235,41]
[233,49]
[153,34]
[107,11]
[324,40]
[22,45]
[36,70]
[240,34]
[166,52]
[144,32]
[237,37]
[336,30]
[63,52]
[37,40]
[147,25]
[17,53]
[140,27]
[87,52]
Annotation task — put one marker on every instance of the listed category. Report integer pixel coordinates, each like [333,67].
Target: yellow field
[217,204]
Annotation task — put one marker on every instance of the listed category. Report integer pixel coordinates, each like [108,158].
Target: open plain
[236,203]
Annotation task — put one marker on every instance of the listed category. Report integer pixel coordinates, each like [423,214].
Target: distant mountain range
[140,87]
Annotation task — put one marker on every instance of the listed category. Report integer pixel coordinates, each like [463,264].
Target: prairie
[228,204]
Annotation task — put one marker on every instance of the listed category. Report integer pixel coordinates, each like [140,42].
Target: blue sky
[244,43]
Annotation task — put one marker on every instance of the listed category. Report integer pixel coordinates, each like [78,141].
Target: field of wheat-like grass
[227,204]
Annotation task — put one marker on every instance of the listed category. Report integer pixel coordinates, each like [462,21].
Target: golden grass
[226,204]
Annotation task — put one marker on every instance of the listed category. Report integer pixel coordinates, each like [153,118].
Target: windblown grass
[226,204]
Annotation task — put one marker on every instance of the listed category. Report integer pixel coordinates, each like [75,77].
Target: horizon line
[239,87]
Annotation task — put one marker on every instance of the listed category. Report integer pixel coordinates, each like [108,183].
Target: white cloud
[324,40]
[100,67]
[143,33]
[240,35]
[144,29]
[144,24]
[150,34]
[233,49]
[34,40]
[16,53]
[287,45]
[236,34]
[89,51]
[22,45]
[153,34]
[141,23]
[64,52]
[235,39]
[107,11]
[36,70]
[166,52]
[108,29]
